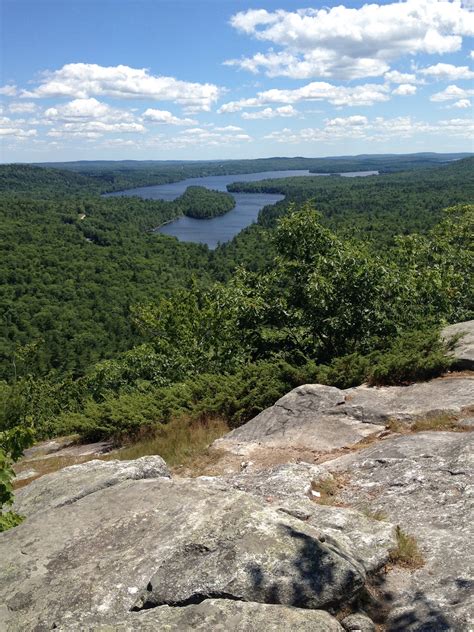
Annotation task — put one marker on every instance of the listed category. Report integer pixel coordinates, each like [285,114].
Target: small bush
[235,398]
[376,514]
[9,519]
[347,371]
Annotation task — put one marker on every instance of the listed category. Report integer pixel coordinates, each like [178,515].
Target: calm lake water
[225,227]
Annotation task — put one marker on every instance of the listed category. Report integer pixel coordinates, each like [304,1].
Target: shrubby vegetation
[16,434]
[202,203]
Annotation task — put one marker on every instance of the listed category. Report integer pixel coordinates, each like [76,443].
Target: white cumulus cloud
[352,43]
[394,76]
[269,113]
[82,81]
[210,136]
[8,90]
[451,93]
[165,117]
[405,89]
[90,118]
[366,94]
[462,104]
[379,129]
[348,121]
[22,108]
[79,109]
[448,72]
[11,127]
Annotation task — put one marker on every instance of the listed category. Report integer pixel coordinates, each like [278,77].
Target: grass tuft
[406,553]
[442,422]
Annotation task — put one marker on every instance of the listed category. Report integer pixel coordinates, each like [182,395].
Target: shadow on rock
[315,572]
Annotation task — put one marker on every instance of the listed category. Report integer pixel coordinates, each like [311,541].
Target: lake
[220,229]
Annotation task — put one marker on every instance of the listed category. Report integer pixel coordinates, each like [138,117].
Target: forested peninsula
[201,203]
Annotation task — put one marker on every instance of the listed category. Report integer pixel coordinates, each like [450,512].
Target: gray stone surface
[358,623]
[324,418]
[422,399]
[214,615]
[25,474]
[290,480]
[65,447]
[464,350]
[161,542]
[424,483]
[74,482]
[309,417]
[288,488]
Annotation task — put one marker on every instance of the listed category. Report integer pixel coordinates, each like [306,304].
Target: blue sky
[210,79]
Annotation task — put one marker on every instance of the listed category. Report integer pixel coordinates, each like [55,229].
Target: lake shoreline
[222,228]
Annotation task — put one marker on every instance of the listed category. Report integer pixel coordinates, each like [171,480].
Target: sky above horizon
[220,79]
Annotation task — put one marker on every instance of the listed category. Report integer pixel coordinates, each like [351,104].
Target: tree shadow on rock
[383,606]
[317,579]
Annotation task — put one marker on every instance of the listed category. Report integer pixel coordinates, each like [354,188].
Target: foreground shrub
[235,398]
[416,356]
[12,443]
[9,519]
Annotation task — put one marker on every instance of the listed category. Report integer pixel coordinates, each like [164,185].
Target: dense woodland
[375,207]
[111,330]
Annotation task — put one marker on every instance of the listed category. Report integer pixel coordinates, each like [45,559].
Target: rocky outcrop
[463,352]
[323,418]
[120,545]
[289,489]
[125,539]
[423,482]
[49,456]
[358,623]
[408,403]
[311,417]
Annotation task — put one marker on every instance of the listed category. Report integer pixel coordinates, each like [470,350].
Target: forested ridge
[111,330]
[118,175]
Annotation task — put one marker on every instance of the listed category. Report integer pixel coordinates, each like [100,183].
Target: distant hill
[40,181]
[261,164]
[100,176]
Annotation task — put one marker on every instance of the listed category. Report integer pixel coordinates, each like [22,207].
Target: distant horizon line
[203,160]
